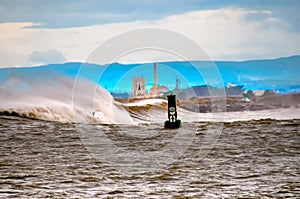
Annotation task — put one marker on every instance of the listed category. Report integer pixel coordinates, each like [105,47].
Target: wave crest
[50,97]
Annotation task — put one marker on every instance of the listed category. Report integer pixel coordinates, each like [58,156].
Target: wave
[147,110]
[50,97]
[155,110]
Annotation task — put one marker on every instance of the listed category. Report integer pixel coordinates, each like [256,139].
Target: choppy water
[251,159]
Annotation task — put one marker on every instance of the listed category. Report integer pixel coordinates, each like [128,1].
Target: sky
[37,32]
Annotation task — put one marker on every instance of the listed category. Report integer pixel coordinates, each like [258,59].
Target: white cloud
[225,34]
[46,57]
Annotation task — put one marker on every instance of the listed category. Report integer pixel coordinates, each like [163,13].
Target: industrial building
[138,87]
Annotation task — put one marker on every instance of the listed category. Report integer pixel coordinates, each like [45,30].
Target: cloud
[70,13]
[49,14]
[225,34]
[45,57]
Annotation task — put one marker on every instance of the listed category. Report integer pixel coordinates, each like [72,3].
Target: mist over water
[50,98]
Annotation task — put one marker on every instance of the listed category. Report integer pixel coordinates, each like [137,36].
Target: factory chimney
[155,81]
[177,83]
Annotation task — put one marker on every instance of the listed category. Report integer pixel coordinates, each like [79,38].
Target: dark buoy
[173,122]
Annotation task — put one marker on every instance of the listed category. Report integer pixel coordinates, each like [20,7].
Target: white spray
[49,97]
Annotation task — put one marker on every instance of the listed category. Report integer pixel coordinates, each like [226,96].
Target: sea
[255,158]
[57,144]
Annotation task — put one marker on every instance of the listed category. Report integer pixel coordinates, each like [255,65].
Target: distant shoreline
[233,104]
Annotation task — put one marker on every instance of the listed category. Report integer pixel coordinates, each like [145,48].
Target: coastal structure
[155,81]
[158,91]
[177,83]
[138,87]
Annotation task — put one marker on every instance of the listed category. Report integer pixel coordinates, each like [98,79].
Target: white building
[138,87]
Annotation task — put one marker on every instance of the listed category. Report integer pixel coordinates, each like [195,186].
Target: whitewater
[63,137]
[50,98]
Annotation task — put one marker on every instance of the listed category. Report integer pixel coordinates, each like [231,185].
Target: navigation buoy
[172,122]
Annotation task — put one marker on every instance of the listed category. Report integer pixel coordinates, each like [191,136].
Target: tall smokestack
[177,83]
[155,81]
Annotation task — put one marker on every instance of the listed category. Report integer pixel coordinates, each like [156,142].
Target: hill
[280,74]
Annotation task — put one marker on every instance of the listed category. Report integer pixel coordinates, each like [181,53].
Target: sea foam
[50,97]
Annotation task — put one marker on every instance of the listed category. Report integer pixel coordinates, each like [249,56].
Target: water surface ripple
[257,158]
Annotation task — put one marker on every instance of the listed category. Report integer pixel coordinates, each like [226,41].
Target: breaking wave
[155,110]
[50,97]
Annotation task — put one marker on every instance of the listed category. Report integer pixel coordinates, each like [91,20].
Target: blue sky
[39,32]
[74,13]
